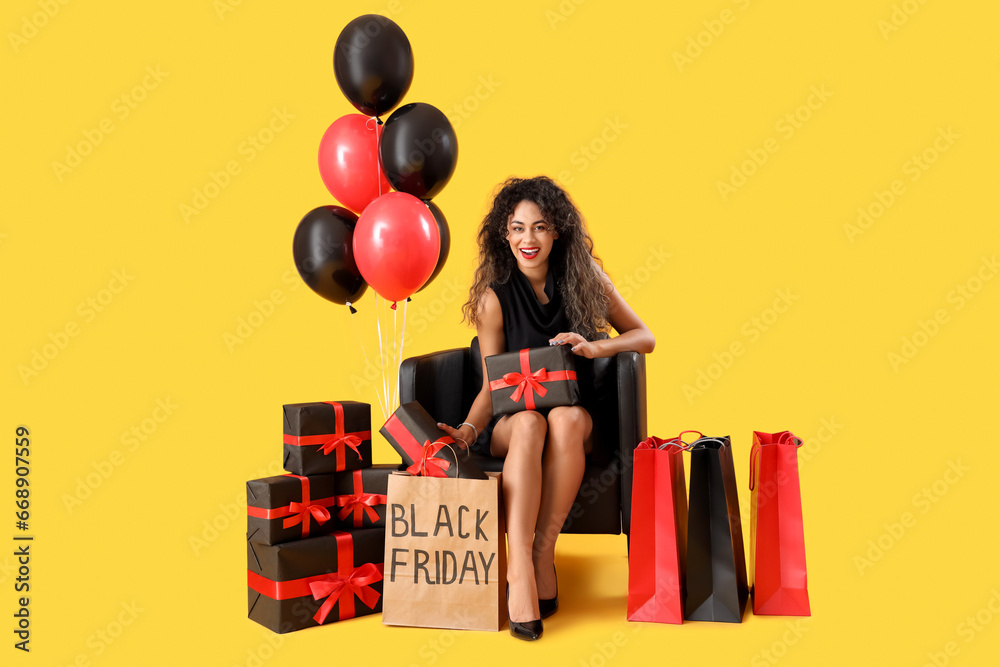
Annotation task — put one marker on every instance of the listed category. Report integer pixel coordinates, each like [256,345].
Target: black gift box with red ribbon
[360,499]
[327,437]
[315,581]
[426,449]
[532,379]
[290,507]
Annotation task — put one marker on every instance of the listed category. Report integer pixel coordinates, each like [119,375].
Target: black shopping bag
[716,563]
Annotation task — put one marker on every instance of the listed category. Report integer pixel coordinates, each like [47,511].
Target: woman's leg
[569,433]
[519,439]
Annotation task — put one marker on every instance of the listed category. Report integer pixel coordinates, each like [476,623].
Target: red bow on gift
[526,383]
[338,441]
[360,502]
[428,465]
[300,513]
[356,584]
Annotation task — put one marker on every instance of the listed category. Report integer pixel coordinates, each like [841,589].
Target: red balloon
[396,245]
[348,161]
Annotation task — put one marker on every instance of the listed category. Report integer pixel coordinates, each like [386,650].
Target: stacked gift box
[316,536]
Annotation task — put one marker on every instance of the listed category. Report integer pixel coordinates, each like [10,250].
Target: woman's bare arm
[633,334]
[491,341]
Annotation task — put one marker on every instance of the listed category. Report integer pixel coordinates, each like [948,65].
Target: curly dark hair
[576,269]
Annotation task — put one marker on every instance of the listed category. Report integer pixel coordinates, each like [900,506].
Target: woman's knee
[528,423]
[527,432]
[570,420]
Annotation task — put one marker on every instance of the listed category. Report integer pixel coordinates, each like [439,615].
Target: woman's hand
[463,436]
[580,345]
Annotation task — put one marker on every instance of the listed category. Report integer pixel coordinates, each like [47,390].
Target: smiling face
[530,236]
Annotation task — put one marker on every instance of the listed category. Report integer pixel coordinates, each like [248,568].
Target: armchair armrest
[631,368]
[438,382]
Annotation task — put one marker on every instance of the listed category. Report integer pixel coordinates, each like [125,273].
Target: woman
[538,283]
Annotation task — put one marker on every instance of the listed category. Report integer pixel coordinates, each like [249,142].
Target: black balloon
[324,254]
[445,234]
[373,63]
[418,151]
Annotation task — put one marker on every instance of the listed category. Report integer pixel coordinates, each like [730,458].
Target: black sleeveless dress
[529,323]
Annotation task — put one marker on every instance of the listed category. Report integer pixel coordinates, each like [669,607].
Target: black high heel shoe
[549,606]
[528,631]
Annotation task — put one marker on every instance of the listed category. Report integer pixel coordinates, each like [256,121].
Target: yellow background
[661,134]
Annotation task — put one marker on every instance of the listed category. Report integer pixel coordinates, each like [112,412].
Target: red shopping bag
[658,532]
[777,542]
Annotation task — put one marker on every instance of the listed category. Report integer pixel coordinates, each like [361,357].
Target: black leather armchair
[445,383]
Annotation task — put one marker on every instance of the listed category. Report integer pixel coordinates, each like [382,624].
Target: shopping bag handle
[692,447]
[784,438]
[652,442]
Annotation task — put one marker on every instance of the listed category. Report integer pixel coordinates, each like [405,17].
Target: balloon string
[392,364]
[402,339]
[388,357]
[357,334]
[381,354]
[394,383]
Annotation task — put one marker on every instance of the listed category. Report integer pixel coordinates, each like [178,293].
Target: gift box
[327,437]
[290,507]
[361,496]
[425,449]
[532,379]
[315,581]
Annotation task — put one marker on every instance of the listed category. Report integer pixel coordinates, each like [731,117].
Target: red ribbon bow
[339,441]
[300,513]
[526,383]
[358,503]
[428,465]
[356,584]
